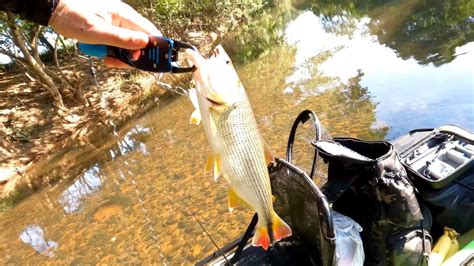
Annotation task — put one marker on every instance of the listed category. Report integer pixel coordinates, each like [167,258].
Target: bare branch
[10,54]
[56,61]
[35,66]
[34,41]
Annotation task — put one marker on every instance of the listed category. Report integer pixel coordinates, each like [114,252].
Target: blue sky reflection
[34,236]
[89,183]
[410,95]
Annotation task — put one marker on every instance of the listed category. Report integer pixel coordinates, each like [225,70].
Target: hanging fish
[238,152]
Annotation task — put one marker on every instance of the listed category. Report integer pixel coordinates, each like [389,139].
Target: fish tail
[261,237]
[270,232]
[280,228]
[266,234]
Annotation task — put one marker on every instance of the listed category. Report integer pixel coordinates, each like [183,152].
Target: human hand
[109,22]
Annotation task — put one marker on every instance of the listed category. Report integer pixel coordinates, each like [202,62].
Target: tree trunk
[34,65]
[35,33]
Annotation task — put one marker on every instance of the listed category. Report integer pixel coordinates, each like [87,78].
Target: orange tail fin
[261,237]
[279,229]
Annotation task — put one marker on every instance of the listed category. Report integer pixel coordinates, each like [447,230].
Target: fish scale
[242,147]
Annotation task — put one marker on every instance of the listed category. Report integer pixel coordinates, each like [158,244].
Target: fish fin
[217,167]
[212,123]
[193,97]
[226,178]
[235,200]
[268,154]
[273,199]
[261,237]
[280,228]
[195,117]
[217,98]
[209,163]
[213,163]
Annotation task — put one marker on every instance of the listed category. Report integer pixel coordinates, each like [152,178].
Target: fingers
[128,18]
[113,62]
[128,29]
[117,36]
[135,55]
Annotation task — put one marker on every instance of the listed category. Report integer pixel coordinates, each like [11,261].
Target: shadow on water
[369,69]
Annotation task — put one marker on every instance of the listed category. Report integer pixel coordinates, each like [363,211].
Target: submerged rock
[106,211]
[197,250]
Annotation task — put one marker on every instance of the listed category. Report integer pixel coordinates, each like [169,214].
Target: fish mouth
[213,102]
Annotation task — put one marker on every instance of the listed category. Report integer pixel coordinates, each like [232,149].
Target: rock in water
[104,212]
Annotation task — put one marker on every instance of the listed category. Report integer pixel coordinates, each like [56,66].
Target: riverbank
[35,134]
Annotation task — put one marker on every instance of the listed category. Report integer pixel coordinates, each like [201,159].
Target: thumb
[119,37]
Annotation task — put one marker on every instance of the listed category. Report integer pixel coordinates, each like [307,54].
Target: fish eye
[227,62]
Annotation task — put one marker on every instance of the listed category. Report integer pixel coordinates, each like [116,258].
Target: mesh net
[303,206]
[303,151]
[307,129]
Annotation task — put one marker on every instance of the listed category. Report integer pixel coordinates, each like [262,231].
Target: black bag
[367,182]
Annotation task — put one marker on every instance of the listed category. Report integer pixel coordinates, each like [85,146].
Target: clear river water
[369,69]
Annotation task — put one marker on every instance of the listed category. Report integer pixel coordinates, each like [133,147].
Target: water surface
[369,69]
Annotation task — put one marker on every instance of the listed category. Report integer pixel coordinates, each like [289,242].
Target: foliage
[11,200]
[174,18]
[428,31]
[259,36]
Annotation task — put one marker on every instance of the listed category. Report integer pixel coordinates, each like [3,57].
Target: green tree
[175,18]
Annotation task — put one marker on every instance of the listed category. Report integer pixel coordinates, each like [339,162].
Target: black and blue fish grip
[160,55]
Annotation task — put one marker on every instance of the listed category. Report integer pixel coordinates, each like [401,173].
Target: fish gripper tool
[160,55]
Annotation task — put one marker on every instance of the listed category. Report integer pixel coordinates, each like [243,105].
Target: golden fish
[238,152]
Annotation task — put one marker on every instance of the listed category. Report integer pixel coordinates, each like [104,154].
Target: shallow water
[368,70]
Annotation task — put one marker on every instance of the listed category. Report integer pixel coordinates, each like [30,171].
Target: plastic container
[436,157]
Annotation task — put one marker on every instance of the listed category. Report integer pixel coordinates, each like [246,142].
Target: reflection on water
[91,180]
[349,62]
[129,143]
[407,93]
[34,236]
[86,184]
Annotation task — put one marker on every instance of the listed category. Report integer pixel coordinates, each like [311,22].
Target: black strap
[247,235]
